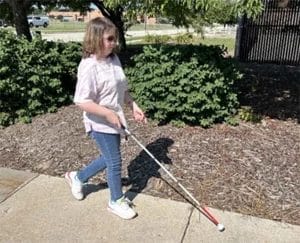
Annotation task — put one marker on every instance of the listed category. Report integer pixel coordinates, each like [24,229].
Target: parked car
[36,21]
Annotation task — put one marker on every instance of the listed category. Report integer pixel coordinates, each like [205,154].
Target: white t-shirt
[104,82]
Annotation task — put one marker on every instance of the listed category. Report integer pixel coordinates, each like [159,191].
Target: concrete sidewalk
[40,208]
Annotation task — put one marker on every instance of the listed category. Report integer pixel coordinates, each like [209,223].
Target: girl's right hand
[102,111]
[113,119]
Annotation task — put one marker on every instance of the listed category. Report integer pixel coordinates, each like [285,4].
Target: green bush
[185,84]
[34,76]
[247,114]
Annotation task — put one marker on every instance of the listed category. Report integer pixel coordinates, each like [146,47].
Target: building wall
[148,20]
[75,15]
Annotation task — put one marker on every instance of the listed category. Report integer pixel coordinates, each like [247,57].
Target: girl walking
[101,91]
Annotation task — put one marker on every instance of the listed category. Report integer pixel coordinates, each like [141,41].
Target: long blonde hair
[93,39]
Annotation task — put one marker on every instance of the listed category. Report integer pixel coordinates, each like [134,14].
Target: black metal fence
[273,37]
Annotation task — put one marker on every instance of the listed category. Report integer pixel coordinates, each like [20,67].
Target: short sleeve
[118,64]
[86,87]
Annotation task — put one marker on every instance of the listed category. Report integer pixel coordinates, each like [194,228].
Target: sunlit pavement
[40,208]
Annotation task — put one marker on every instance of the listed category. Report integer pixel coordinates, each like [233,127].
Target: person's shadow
[140,169]
[143,167]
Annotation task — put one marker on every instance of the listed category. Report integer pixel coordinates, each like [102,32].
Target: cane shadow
[143,167]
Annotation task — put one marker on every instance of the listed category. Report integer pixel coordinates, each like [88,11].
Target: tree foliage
[180,13]
[5,12]
[35,77]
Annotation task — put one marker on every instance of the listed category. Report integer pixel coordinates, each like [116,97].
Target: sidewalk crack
[187,225]
[19,188]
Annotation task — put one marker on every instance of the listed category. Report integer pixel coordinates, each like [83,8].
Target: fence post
[238,38]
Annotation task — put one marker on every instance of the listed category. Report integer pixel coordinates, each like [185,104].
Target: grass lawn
[71,26]
[141,27]
[63,27]
[228,42]
[60,27]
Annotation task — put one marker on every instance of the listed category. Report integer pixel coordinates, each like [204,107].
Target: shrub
[247,114]
[185,84]
[32,77]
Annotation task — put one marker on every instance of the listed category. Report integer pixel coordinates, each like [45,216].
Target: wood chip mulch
[252,168]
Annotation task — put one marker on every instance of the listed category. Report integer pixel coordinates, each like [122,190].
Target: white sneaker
[75,184]
[122,208]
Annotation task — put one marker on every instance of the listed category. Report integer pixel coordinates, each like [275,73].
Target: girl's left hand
[138,114]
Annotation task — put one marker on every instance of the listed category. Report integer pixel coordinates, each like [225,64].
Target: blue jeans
[110,158]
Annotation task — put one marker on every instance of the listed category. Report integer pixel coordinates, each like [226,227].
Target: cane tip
[221,227]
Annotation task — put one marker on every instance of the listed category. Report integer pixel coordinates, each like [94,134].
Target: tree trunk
[19,9]
[115,15]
